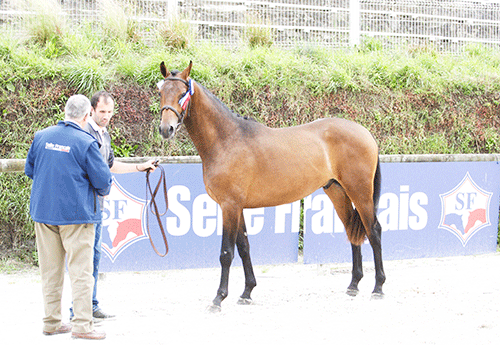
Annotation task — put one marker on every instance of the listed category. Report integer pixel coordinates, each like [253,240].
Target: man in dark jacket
[102,111]
[68,174]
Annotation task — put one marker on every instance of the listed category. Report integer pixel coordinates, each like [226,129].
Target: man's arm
[123,168]
[30,161]
[97,170]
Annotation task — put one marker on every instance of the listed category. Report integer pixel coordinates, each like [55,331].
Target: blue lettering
[460,199]
[119,205]
[470,200]
[105,212]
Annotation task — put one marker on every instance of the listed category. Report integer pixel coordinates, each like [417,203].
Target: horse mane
[219,102]
[224,106]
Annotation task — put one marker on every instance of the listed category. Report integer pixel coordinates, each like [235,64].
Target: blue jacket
[68,173]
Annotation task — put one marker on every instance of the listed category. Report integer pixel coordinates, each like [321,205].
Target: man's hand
[150,165]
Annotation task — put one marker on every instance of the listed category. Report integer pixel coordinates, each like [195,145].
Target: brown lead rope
[155,211]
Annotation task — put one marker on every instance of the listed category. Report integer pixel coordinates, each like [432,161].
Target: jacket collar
[69,123]
[95,126]
[75,125]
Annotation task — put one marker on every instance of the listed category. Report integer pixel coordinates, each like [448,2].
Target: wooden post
[11,165]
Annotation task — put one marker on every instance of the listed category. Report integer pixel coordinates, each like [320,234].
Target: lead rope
[155,211]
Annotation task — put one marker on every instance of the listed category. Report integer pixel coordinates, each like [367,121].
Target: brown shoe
[65,328]
[90,335]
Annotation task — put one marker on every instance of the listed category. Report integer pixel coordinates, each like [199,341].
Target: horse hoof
[377,295]
[245,301]
[214,309]
[352,292]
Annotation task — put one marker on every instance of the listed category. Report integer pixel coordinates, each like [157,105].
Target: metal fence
[447,25]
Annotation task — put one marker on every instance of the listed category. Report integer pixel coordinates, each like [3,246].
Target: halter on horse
[248,165]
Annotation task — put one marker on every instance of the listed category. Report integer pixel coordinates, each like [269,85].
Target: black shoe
[99,314]
[96,320]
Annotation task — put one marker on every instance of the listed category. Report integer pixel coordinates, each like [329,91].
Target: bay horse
[248,165]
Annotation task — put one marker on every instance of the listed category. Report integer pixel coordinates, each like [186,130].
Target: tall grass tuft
[257,34]
[45,22]
[116,23]
[176,34]
[87,75]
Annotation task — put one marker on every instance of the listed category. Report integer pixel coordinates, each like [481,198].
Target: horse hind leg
[345,211]
[244,252]
[366,212]
[375,239]
[364,217]
[364,221]
[357,270]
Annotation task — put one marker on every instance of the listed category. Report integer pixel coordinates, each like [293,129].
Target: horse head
[175,91]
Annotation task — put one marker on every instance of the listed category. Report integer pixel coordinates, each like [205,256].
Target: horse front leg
[244,252]
[375,239]
[231,218]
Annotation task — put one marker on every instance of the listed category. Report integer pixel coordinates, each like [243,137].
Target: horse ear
[163,69]
[185,74]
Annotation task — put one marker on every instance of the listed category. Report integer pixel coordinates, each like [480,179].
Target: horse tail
[357,232]
[377,181]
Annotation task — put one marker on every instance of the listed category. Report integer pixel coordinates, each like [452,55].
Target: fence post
[354,22]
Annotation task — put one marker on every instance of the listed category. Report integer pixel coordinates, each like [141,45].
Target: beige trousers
[54,243]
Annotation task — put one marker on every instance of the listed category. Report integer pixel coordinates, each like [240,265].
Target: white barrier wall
[430,206]
[425,209]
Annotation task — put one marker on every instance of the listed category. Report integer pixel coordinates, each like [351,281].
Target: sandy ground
[428,301]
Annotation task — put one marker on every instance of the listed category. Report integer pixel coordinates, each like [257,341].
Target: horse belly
[288,165]
[283,186]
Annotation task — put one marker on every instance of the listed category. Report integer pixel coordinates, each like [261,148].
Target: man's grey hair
[77,107]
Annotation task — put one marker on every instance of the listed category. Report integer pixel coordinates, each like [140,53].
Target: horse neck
[207,123]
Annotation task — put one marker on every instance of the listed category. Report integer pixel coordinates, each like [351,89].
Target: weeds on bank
[15,265]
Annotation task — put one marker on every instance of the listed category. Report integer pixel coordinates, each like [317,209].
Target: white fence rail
[447,25]
[17,165]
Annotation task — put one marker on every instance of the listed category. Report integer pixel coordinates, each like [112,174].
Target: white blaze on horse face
[169,120]
[169,123]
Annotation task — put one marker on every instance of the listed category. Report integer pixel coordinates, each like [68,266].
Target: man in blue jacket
[68,174]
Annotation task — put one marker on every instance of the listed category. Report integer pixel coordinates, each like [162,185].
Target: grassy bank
[413,99]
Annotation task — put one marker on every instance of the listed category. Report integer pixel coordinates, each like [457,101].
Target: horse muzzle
[167,131]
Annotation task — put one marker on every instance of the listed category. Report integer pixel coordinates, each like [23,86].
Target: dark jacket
[68,173]
[104,147]
[104,144]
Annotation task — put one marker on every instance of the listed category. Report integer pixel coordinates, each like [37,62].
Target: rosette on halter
[187,96]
